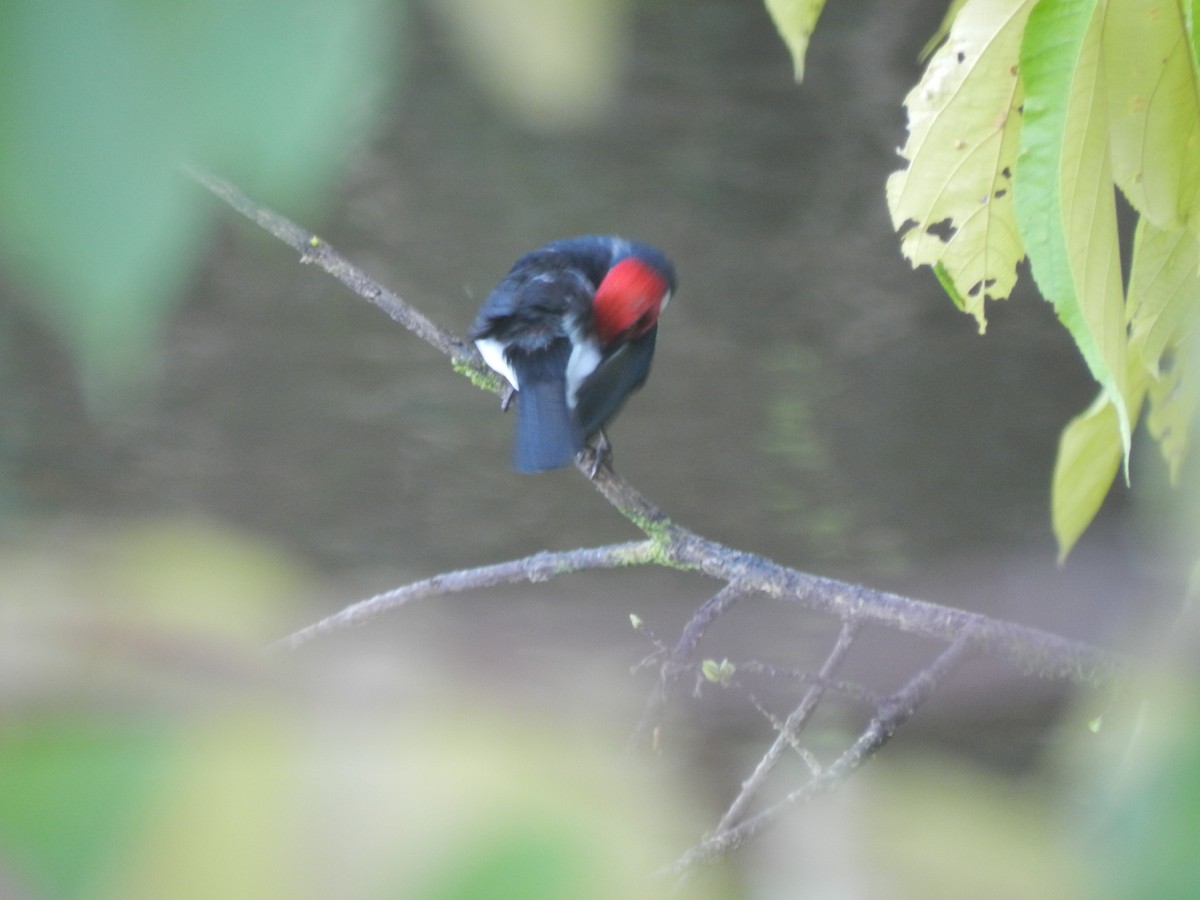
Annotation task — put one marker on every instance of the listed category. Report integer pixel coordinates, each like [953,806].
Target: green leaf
[1065,203]
[1140,835]
[99,104]
[1164,299]
[1090,451]
[90,209]
[1089,455]
[1154,111]
[946,280]
[1174,398]
[795,21]
[70,795]
[718,672]
[953,205]
[943,29]
[1189,29]
[1164,290]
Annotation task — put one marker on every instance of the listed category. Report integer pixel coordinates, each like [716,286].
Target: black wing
[602,394]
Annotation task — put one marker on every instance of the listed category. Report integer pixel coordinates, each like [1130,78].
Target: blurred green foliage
[552,65]
[150,748]
[101,101]
[1148,843]
[70,793]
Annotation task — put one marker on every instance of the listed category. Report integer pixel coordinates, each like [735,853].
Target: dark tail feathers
[547,434]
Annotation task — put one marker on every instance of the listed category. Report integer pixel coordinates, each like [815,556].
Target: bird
[572,329]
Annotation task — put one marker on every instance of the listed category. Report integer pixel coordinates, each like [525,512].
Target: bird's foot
[506,397]
[601,454]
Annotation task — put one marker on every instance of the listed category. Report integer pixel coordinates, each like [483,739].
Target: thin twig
[847,689]
[791,727]
[897,710]
[681,656]
[313,249]
[530,569]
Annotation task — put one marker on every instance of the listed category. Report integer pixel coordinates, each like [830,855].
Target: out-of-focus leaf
[1154,111]
[1064,195]
[1174,397]
[941,829]
[1164,290]
[522,861]
[1164,299]
[1140,827]
[552,64]
[90,209]
[100,102]
[1089,455]
[150,750]
[953,205]
[456,807]
[795,21]
[176,609]
[71,792]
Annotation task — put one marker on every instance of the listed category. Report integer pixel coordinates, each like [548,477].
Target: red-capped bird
[572,328]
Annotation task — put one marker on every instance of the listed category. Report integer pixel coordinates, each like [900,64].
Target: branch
[681,656]
[893,713]
[791,728]
[743,574]
[315,251]
[1029,649]
[532,569]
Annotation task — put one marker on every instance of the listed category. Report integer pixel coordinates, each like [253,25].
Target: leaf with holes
[953,205]
[1164,287]
[1173,399]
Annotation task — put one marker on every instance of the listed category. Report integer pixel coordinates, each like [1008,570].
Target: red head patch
[628,300]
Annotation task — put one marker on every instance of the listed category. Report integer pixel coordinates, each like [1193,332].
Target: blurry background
[813,399]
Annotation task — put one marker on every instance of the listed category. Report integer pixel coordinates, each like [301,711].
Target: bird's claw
[601,454]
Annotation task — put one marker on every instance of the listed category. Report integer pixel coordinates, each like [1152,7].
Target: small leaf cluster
[1029,118]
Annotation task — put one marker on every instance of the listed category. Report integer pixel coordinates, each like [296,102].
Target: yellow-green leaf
[718,672]
[953,205]
[1174,397]
[1065,201]
[556,66]
[795,21]
[1164,290]
[1089,455]
[1154,110]
[943,29]
[1189,29]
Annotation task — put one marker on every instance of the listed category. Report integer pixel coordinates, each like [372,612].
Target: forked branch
[742,575]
